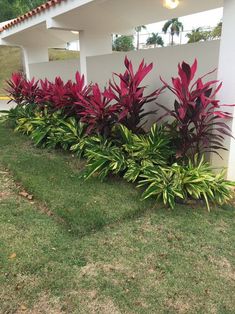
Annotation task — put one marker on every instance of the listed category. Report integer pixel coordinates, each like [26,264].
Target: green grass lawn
[11,61]
[92,247]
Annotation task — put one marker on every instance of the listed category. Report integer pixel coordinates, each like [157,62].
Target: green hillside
[11,61]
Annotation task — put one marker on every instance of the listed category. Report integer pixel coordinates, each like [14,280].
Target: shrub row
[106,127]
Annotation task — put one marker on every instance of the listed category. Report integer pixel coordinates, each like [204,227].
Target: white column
[226,74]
[93,43]
[34,55]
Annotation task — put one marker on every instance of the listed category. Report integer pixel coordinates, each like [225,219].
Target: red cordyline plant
[199,125]
[15,86]
[30,91]
[129,95]
[63,96]
[79,89]
[44,93]
[22,91]
[98,112]
[56,94]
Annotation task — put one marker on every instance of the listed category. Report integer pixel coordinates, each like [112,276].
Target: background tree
[197,35]
[138,30]
[175,27]
[7,11]
[216,32]
[10,9]
[124,43]
[155,40]
[23,6]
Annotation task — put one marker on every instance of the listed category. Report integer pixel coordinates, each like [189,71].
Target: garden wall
[165,61]
[66,69]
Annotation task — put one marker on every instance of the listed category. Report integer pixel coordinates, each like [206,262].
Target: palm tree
[138,30]
[175,28]
[155,40]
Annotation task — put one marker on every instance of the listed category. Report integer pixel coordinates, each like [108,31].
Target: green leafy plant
[155,40]
[70,135]
[54,130]
[175,27]
[39,126]
[195,181]
[152,148]
[128,154]
[19,111]
[123,43]
[103,158]
[153,145]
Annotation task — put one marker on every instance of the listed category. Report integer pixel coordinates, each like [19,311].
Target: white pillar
[34,55]
[93,43]
[226,74]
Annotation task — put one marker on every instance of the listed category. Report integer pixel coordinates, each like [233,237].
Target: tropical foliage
[195,180]
[198,116]
[107,127]
[22,91]
[197,35]
[128,154]
[138,30]
[129,95]
[123,43]
[13,8]
[217,31]
[175,27]
[98,112]
[155,40]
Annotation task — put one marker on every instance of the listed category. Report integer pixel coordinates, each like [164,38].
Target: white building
[94,21]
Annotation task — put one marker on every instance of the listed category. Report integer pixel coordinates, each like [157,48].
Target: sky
[206,19]
[210,18]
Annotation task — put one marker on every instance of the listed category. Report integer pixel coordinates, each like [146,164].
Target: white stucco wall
[66,69]
[165,61]
[226,71]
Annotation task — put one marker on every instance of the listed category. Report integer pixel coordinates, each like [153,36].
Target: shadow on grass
[53,178]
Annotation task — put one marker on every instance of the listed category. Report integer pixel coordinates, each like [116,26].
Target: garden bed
[106,127]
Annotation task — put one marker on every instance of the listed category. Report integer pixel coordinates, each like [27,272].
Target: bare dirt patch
[102,307]
[225,269]
[44,305]
[6,184]
[93,269]
[178,305]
